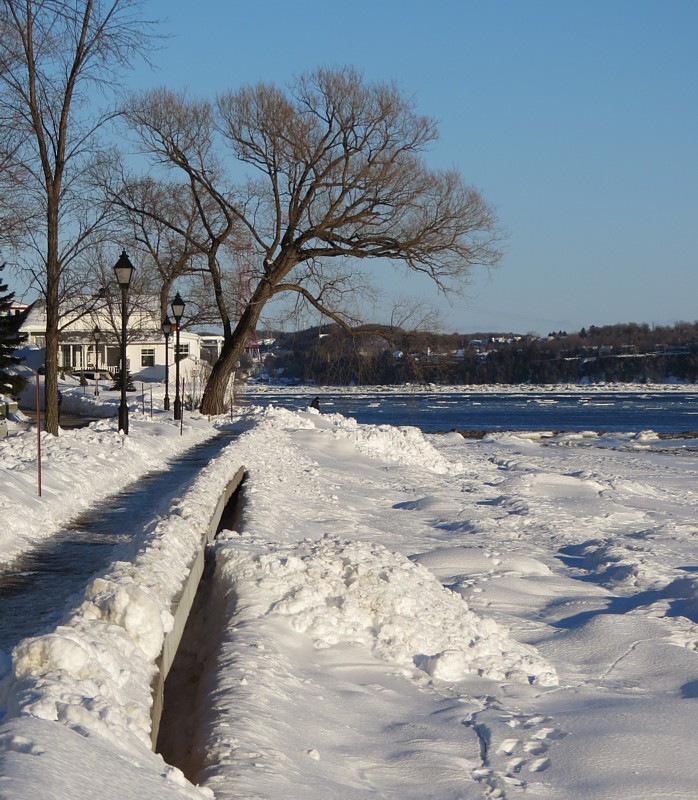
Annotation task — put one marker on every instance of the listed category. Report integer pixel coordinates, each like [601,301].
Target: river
[670,411]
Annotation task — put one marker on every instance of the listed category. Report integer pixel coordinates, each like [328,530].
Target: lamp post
[97,336]
[124,270]
[167,330]
[177,306]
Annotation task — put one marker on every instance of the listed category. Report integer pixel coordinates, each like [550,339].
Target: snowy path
[38,589]
[394,615]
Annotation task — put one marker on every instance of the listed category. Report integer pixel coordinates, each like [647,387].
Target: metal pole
[166,404]
[177,402]
[38,433]
[123,407]
[96,369]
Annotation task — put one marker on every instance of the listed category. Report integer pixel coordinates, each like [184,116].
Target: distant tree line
[633,353]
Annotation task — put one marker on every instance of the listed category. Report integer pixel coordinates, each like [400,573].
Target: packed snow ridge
[361,593]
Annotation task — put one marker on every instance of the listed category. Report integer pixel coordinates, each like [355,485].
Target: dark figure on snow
[316,404]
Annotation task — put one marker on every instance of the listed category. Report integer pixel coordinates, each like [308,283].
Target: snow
[390,615]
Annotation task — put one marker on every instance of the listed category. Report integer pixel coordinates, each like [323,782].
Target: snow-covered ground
[395,615]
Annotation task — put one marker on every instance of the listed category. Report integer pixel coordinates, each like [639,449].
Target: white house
[88,340]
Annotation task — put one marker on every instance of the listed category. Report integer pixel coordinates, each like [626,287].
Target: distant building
[78,351]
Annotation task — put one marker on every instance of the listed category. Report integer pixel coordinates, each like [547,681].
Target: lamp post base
[123,418]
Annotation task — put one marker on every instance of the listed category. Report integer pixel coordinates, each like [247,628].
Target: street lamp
[177,307]
[97,336]
[167,330]
[124,270]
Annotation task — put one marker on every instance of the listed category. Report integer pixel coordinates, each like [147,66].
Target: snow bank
[79,468]
[338,591]
[400,445]
[94,672]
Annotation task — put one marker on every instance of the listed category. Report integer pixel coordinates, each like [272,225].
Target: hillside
[630,352]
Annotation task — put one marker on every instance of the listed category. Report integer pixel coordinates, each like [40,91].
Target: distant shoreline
[489,388]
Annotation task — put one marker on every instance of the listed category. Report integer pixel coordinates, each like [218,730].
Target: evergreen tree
[10,382]
[116,384]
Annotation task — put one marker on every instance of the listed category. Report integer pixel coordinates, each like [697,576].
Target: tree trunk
[50,411]
[52,325]
[215,394]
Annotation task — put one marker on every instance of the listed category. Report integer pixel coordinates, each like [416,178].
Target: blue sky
[577,120]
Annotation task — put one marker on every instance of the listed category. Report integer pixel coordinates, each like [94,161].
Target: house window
[147,356]
[66,356]
[182,351]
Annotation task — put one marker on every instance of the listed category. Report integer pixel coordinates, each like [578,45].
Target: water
[444,410]
[37,591]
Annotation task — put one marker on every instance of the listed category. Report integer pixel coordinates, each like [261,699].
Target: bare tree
[56,58]
[168,252]
[212,242]
[332,172]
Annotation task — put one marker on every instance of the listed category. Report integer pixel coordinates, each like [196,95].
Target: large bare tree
[58,60]
[324,173]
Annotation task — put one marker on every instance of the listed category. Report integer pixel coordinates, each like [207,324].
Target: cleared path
[42,587]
